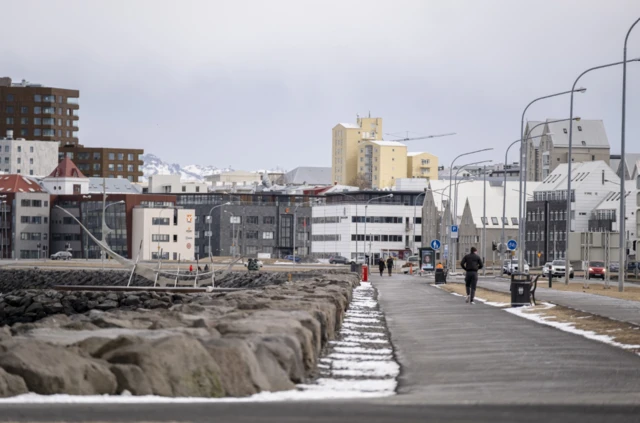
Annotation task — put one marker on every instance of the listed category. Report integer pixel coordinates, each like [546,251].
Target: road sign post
[454,231]
[512,244]
[435,244]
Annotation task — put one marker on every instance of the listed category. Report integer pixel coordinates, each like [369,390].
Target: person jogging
[471,263]
[381,266]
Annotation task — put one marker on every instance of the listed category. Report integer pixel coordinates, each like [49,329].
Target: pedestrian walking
[206,267]
[381,266]
[390,264]
[471,263]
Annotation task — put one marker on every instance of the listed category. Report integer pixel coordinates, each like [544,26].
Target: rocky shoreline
[204,345]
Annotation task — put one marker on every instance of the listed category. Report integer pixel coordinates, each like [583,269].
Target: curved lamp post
[451,177]
[210,219]
[366,206]
[623,232]
[568,231]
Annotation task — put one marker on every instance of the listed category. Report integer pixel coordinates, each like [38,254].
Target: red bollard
[365,273]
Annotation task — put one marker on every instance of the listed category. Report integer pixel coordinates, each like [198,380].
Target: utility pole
[484,218]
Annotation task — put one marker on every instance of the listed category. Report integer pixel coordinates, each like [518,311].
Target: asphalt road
[460,363]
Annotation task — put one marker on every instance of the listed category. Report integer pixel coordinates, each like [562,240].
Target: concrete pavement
[452,352]
[614,308]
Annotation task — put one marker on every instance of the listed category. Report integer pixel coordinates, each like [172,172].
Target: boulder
[177,365]
[48,369]
[131,378]
[5,332]
[11,385]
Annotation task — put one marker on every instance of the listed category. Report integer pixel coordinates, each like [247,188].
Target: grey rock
[131,300]
[131,379]
[107,305]
[11,385]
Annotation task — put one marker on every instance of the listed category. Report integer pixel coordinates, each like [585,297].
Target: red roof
[18,183]
[66,169]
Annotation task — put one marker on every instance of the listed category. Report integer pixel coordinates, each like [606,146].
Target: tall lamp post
[522,221]
[104,226]
[415,203]
[522,156]
[293,250]
[451,177]
[623,233]
[210,219]
[568,231]
[366,206]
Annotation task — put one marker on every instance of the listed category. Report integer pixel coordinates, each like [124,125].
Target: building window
[120,167]
[111,166]
[252,234]
[37,132]
[24,109]
[160,238]
[9,110]
[24,121]
[120,156]
[184,188]
[112,156]
[30,161]
[269,220]
[96,156]
[96,166]
[579,128]
[49,98]
[494,220]
[160,221]
[514,220]
[37,121]
[48,132]
[31,149]
[253,220]
[9,121]
[9,97]
[24,132]
[130,157]
[267,235]
[48,121]
[19,149]
[37,98]
[49,110]
[130,169]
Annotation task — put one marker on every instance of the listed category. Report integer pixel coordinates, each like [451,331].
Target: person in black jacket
[381,265]
[471,263]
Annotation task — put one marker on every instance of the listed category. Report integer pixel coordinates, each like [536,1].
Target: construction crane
[421,138]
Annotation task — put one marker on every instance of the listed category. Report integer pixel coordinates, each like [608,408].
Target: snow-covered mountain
[154,165]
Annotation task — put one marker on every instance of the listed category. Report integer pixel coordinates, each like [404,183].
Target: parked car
[596,269]
[632,266]
[260,264]
[290,258]
[339,260]
[511,266]
[412,261]
[546,268]
[614,266]
[558,268]
[61,255]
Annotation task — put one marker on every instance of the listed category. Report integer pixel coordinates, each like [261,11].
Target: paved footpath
[614,308]
[460,363]
[453,352]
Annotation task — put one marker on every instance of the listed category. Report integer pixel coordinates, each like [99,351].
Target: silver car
[61,255]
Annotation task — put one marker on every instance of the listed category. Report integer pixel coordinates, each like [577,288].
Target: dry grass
[624,333]
[630,292]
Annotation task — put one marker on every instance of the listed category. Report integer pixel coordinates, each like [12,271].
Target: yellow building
[422,165]
[346,138]
[380,163]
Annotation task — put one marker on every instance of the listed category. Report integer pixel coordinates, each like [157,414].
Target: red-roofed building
[66,179]
[24,218]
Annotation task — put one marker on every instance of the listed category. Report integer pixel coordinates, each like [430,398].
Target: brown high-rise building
[35,112]
[105,162]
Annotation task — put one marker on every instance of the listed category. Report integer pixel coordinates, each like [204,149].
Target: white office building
[338,225]
[166,232]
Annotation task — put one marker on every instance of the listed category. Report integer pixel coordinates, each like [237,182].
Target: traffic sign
[435,244]
[512,244]
[454,231]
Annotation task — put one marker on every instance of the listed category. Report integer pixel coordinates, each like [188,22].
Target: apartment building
[26,157]
[381,163]
[422,165]
[546,234]
[590,143]
[163,233]
[171,184]
[346,138]
[105,162]
[36,112]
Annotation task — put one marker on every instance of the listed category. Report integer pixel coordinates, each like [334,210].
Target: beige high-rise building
[380,163]
[422,165]
[346,138]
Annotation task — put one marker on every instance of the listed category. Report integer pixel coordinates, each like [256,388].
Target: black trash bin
[520,289]
[441,276]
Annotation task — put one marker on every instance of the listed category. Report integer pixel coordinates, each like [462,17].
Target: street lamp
[233,233]
[365,223]
[622,252]
[294,235]
[210,219]
[357,218]
[623,246]
[415,203]
[105,227]
[451,177]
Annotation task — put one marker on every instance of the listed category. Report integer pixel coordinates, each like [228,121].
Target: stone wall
[207,345]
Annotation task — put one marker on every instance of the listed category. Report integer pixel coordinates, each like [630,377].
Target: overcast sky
[256,84]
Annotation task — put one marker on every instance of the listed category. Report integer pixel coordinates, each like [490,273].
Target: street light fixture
[365,223]
[451,177]
[623,233]
[568,230]
[523,155]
